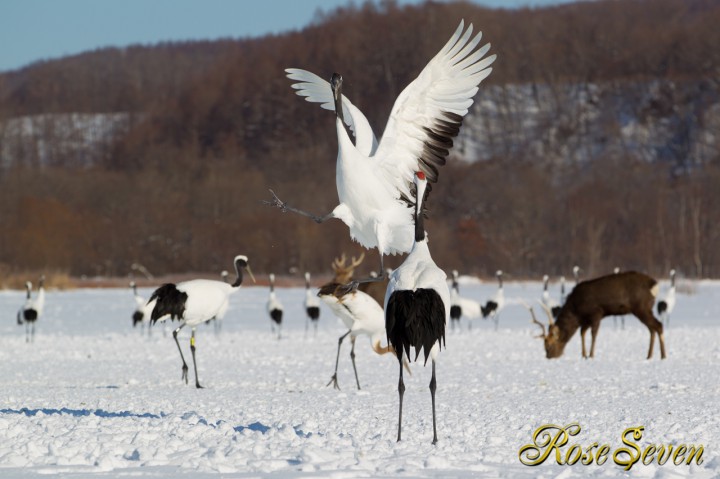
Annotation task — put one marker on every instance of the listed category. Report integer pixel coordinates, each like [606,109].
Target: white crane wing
[429,111]
[317,90]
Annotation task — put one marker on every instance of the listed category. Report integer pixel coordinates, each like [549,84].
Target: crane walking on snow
[195,302]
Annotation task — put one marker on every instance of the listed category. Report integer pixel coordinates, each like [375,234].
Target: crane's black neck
[336,85]
[239,265]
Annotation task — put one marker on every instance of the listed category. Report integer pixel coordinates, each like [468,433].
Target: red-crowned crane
[142,312]
[460,306]
[493,306]
[26,305]
[32,309]
[361,314]
[374,180]
[311,304]
[274,308]
[195,302]
[548,300]
[417,304]
[666,305]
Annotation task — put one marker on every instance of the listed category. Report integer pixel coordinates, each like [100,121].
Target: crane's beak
[250,273]
[336,85]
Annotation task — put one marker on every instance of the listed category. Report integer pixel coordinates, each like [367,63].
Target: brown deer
[344,275]
[590,301]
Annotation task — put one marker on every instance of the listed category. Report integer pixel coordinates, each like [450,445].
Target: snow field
[93,397]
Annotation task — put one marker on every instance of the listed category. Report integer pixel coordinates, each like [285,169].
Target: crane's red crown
[420,175]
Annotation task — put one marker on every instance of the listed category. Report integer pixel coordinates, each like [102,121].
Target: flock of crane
[383,187]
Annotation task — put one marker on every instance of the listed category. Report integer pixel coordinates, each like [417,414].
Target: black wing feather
[170,301]
[415,319]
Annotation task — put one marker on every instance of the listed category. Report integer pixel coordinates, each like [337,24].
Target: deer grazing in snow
[590,301]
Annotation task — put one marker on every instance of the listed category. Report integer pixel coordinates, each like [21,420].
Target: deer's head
[344,273]
[554,346]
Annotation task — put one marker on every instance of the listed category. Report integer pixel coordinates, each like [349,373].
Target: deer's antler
[547,311]
[534,320]
[356,262]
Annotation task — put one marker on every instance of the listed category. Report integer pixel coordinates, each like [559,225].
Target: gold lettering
[692,453]
[636,433]
[664,454]
[602,453]
[647,457]
[587,458]
[679,454]
[547,438]
[574,449]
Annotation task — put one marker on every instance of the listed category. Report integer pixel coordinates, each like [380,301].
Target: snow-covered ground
[93,397]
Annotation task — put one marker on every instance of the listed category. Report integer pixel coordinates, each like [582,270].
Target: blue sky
[32,30]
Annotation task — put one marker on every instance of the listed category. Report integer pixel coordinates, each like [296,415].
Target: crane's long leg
[184,366]
[278,203]
[27,332]
[192,350]
[401,391]
[433,387]
[353,285]
[352,357]
[333,379]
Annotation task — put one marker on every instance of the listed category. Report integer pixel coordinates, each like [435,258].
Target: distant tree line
[212,125]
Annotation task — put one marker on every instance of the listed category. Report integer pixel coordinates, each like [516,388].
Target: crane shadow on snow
[80,412]
[254,427]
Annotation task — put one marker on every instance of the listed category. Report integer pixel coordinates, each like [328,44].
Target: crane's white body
[36,304]
[371,177]
[273,303]
[27,305]
[311,305]
[669,299]
[194,302]
[360,313]
[206,299]
[311,300]
[469,308]
[419,271]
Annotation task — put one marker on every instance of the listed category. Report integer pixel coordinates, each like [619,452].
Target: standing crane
[274,308]
[311,304]
[417,304]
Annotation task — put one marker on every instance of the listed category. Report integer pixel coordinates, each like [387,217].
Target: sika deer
[590,301]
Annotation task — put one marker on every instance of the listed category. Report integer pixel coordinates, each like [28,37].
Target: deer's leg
[593,335]
[655,327]
[583,330]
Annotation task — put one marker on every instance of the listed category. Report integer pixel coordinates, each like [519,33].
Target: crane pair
[377,182]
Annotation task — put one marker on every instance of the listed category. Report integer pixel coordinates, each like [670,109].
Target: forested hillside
[593,142]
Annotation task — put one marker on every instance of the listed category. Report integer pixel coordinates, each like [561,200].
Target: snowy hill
[650,121]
